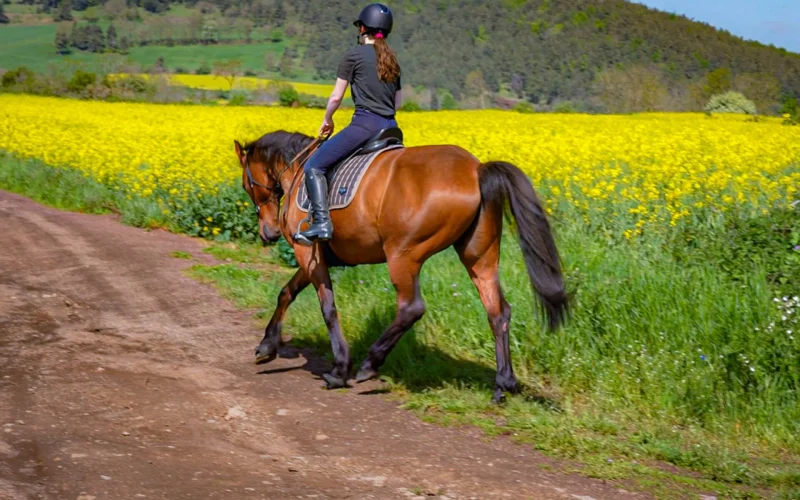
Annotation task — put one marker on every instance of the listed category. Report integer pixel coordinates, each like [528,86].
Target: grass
[443,369]
[32,46]
[665,378]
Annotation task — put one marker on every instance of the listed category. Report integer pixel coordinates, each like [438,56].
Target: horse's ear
[240,152]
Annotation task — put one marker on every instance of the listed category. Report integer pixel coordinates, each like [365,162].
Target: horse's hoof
[333,382]
[366,373]
[265,353]
[499,397]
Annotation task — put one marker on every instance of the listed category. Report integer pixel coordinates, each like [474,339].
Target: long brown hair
[388,68]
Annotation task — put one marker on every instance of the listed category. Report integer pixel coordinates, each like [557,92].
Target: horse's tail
[506,185]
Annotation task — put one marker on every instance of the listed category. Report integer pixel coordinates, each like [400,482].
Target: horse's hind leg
[404,274]
[479,251]
[267,350]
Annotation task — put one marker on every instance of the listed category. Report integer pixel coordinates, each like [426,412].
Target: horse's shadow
[418,366]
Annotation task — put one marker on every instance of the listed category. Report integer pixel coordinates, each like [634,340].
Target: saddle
[345,176]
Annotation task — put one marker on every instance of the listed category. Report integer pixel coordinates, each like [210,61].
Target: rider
[372,70]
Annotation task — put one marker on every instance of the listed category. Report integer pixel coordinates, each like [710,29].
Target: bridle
[275,190]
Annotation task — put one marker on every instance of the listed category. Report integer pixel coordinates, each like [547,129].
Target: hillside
[600,55]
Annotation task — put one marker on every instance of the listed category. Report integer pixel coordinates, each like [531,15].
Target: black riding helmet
[376,16]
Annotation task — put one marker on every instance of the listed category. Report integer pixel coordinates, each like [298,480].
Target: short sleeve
[346,65]
[399,85]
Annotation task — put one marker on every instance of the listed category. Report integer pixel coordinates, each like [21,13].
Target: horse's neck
[290,179]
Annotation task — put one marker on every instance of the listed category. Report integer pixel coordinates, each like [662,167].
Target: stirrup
[298,237]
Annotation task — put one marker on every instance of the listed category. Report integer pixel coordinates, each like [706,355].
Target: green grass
[70,190]
[666,378]
[32,46]
[610,392]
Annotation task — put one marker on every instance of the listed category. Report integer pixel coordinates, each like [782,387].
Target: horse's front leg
[267,350]
[317,269]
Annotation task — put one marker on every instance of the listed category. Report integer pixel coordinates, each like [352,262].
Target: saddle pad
[343,180]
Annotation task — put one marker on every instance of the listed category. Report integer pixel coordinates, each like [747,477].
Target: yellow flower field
[213,82]
[658,167]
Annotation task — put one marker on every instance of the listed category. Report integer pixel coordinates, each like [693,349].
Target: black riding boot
[321,227]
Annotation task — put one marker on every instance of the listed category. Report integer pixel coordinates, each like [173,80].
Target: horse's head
[261,184]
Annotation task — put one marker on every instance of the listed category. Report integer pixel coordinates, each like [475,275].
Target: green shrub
[410,105]
[80,81]
[565,107]
[20,77]
[731,102]
[238,99]
[524,107]
[312,101]
[203,69]
[287,95]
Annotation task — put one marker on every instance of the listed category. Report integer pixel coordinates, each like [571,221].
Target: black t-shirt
[359,67]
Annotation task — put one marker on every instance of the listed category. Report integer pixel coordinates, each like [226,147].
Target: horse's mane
[281,143]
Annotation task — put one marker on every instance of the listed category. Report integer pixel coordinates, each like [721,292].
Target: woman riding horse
[374,75]
[411,203]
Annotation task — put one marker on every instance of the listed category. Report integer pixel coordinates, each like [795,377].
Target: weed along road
[122,378]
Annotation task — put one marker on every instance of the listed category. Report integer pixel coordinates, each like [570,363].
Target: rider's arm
[398,99]
[336,98]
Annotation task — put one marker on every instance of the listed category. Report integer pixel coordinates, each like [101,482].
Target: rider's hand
[326,128]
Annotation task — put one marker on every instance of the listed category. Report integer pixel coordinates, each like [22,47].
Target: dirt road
[121,378]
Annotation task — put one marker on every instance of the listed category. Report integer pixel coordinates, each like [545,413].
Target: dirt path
[121,378]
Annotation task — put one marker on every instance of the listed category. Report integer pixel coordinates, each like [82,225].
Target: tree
[123,44]
[113,8]
[228,70]
[62,43]
[160,65]
[210,34]
[279,14]
[3,17]
[434,99]
[731,102]
[475,86]
[718,82]
[762,88]
[111,38]
[285,65]
[269,62]
[626,90]
[64,11]
[518,85]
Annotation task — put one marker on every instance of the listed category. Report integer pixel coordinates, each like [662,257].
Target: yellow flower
[643,171]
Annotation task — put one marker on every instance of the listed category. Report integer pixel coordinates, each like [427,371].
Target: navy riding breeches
[363,126]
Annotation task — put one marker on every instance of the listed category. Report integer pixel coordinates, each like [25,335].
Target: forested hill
[590,55]
[609,53]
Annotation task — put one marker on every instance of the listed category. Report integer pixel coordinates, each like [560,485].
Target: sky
[767,21]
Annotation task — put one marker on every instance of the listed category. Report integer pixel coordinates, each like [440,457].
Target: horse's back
[431,195]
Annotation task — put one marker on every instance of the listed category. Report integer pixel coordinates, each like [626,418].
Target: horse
[412,203]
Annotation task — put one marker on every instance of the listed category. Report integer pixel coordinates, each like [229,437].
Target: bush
[80,81]
[449,103]
[203,69]
[312,101]
[565,107]
[524,107]
[20,77]
[410,105]
[250,72]
[287,95]
[731,102]
[238,99]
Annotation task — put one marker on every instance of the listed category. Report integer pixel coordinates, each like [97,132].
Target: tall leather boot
[321,227]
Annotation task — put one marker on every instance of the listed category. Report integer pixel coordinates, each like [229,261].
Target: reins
[313,145]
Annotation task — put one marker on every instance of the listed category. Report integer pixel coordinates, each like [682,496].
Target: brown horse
[412,203]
